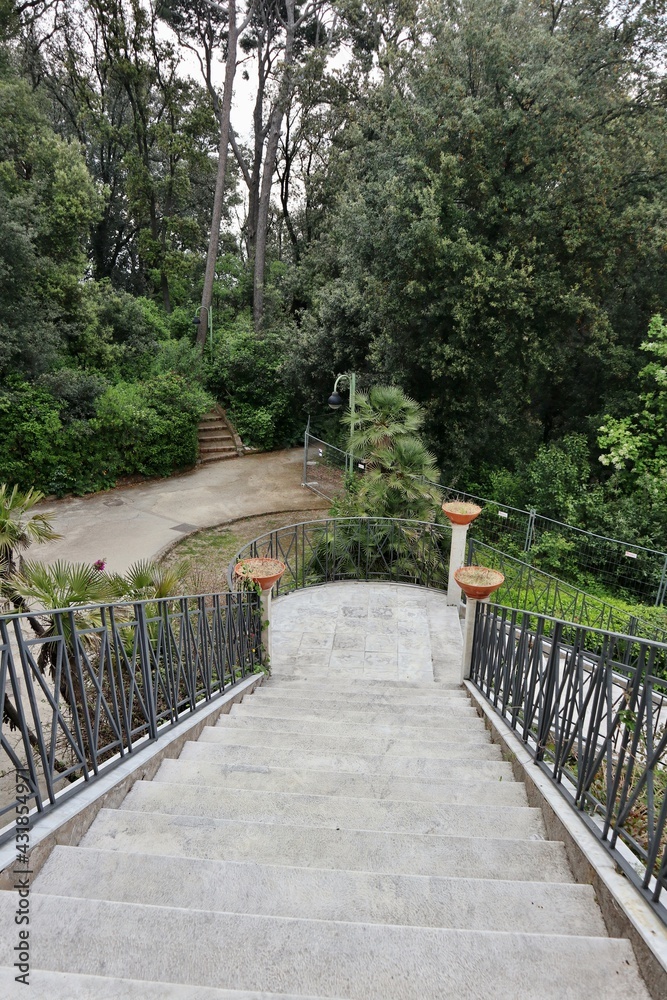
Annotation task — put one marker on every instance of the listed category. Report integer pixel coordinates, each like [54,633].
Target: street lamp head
[335,401]
[196,321]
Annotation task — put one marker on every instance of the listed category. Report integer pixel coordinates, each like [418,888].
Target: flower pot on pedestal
[478,582]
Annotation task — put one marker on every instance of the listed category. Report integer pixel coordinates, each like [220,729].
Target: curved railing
[84,687]
[354,548]
[591,708]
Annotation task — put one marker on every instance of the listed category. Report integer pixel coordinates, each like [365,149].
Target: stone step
[468,729]
[342,813]
[216,440]
[434,722]
[341,702]
[503,791]
[388,689]
[385,688]
[213,447]
[72,986]
[318,847]
[481,748]
[383,713]
[217,427]
[336,703]
[218,456]
[418,768]
[354,960]
[320,894]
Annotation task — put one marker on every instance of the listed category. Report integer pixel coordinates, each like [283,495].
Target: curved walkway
[137,522]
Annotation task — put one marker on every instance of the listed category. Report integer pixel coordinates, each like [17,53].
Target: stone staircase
[217,437]
[329,838]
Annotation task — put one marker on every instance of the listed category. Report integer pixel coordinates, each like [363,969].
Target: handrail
[623,566]
[353,548]
[591,708]
[531,588]
[85,686]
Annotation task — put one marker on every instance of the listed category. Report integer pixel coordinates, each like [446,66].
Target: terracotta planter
[265,572]
[478,582]
[461,513]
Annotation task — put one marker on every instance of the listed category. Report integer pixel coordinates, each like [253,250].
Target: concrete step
[418,768]
[480,748]
[213,447]
[354,960]
[319,894]
[342,813]
[218,456]
[72,986]
[449,730]
[502,791]
[317,847]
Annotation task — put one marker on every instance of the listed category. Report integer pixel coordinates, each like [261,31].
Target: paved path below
[136,522]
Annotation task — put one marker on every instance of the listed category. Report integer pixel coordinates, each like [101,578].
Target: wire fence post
[662,588]
[530,530]
[306,436]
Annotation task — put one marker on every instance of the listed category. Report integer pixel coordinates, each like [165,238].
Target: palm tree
[382,416]
[398,465]
[19,527]
[146,580]
[59,586]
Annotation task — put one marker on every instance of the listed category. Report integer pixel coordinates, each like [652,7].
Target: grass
[209,552]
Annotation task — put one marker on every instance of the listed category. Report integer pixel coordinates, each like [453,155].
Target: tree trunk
[218,200]
[275,125]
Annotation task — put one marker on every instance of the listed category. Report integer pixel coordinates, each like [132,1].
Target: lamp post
[335,402]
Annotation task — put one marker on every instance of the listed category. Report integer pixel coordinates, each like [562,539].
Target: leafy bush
[149,428]
[152,426]
[247,376]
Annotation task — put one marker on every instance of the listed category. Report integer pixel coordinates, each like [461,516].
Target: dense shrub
[248,378]
[147,428]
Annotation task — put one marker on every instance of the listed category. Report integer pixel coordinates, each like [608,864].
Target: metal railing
[591,708]
[98,682]
[532,589]
[354,548]
[582,557]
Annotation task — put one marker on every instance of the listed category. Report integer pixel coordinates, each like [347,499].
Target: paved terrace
[348,831]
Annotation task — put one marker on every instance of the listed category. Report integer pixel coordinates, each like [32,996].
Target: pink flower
[99,565]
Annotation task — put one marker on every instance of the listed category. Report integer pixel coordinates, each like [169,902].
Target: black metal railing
[591,708]
[83,687]
[625,569]
[354,548]
[532,589]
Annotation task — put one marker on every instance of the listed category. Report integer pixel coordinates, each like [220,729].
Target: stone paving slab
[366,631]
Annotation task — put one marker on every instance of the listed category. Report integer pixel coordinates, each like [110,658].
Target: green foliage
[21,525]
[639,442]
[151,427]
[494,226]
[147,428]
[247,376]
